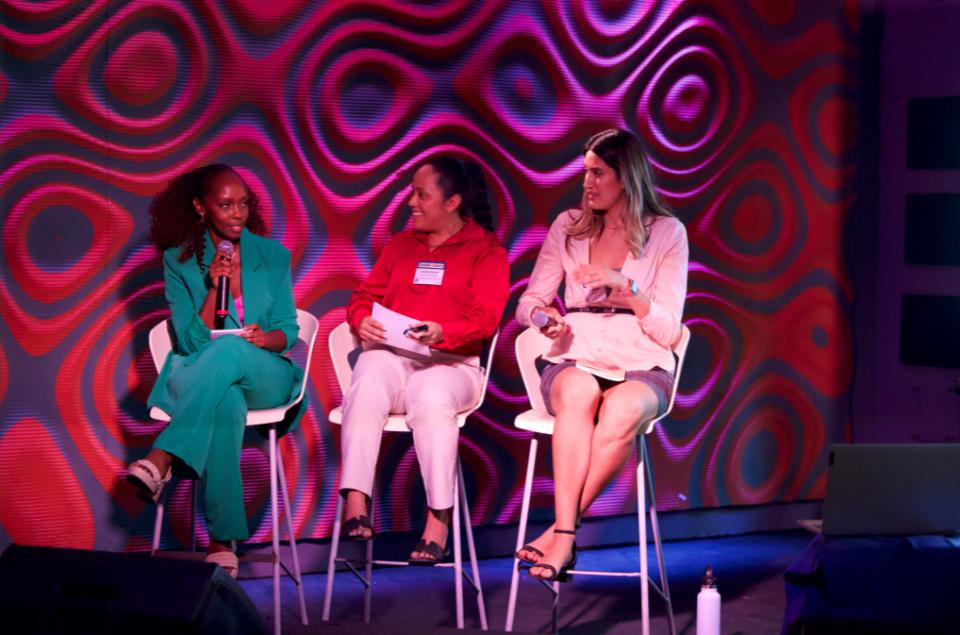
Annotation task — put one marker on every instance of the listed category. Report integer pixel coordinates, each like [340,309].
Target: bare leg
[161,459]
[576,397]
[625,407]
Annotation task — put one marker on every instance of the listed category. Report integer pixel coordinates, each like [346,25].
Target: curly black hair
[464,177]
[174,221]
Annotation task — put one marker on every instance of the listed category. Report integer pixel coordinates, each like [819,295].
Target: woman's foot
[533,550]
[357,525]
[432,546]
[222,554]
[150,474]
[558,557]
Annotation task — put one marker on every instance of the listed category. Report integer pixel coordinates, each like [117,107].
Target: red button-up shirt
[468,304]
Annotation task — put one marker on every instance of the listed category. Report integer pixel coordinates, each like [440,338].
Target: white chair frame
[160,346]
[342,342]
[530,345]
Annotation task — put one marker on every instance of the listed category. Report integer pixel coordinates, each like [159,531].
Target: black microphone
[223,287]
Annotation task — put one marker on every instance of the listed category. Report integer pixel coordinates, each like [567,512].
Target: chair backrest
[160,344]
[531,344]
[342,342]
[308,335]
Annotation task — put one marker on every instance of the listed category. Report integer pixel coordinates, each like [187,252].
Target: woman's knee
[575,390]
[622,414]
[226,347]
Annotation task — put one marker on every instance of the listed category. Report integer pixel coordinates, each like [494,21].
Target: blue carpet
[749,569]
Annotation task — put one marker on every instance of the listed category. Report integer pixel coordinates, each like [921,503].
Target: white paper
[215,333]
[395,324]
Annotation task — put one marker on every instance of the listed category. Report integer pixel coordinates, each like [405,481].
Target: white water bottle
[708,605]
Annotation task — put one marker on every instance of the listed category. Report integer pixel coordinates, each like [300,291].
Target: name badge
[429,272]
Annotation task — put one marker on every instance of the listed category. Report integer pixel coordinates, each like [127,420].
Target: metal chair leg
[332,559]
[642,526]
[457,556]
[368,566]
[288,516]
[275,529]
[655,528]
[471,547]
[521,532]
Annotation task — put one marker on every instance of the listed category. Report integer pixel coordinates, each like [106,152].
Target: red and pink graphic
[748,111]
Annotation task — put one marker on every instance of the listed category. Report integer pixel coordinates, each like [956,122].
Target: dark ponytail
[465,177]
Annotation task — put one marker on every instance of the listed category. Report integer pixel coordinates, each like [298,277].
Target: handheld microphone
[223,287]
[540,319]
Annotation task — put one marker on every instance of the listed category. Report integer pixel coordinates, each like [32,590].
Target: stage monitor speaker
[46,590]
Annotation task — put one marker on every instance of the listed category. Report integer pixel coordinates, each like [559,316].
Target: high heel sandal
[534,550]
[563,574]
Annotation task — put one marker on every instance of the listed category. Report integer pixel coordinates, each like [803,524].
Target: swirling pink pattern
[748,110]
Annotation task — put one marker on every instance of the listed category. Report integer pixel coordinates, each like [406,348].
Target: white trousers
[430,394]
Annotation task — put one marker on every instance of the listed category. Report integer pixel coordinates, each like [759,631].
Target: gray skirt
[661,381]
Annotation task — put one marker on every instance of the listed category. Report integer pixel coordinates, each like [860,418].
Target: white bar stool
[530,345]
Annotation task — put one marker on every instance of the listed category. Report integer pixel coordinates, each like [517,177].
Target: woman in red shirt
[450,275]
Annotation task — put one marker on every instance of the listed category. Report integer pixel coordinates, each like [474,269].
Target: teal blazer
[267,301]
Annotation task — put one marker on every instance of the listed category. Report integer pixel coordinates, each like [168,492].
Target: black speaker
[45,590]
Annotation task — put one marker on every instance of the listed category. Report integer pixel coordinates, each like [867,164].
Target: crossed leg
[580,477]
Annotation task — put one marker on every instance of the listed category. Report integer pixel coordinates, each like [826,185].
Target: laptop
[892,489]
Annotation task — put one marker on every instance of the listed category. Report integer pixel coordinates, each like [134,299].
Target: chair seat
[254,417]
[395,423]
[535,421]
[158,414]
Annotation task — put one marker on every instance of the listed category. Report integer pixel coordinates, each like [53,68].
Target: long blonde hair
[622,151]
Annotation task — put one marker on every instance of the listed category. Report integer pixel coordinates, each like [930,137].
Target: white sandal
[146,477]
[226,559]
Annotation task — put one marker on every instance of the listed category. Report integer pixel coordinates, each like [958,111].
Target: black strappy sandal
[563,574]
[357,522]
[527,548]
[435,552]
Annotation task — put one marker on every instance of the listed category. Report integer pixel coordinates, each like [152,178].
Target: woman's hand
[432,334]
[556,326]
[595,276]
[371,330]
[256,336]
[224,265]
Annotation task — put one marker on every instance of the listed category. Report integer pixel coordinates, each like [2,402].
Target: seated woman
[448,273]
[623,257]
[207,385]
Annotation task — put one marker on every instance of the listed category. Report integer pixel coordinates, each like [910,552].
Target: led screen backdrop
[748,109]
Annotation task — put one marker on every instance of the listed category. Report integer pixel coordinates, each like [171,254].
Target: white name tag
[429,272]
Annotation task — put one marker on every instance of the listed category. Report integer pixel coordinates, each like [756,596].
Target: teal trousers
[212,392]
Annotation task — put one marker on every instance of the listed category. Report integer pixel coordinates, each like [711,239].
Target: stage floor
[418,600]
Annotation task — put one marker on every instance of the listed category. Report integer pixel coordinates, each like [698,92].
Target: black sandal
[357,522]
[435,551]
[527,548]
[563,574]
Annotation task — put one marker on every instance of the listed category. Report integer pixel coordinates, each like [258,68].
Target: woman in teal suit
[208,384]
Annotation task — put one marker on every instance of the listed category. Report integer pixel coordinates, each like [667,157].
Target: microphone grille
[226,247]
[540,319]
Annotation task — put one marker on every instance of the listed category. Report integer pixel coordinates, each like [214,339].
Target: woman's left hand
[432,335]
[255,335]
[594,276]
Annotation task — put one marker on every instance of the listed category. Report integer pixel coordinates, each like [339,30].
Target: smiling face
[431,213]
[602,186]
[225,207]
